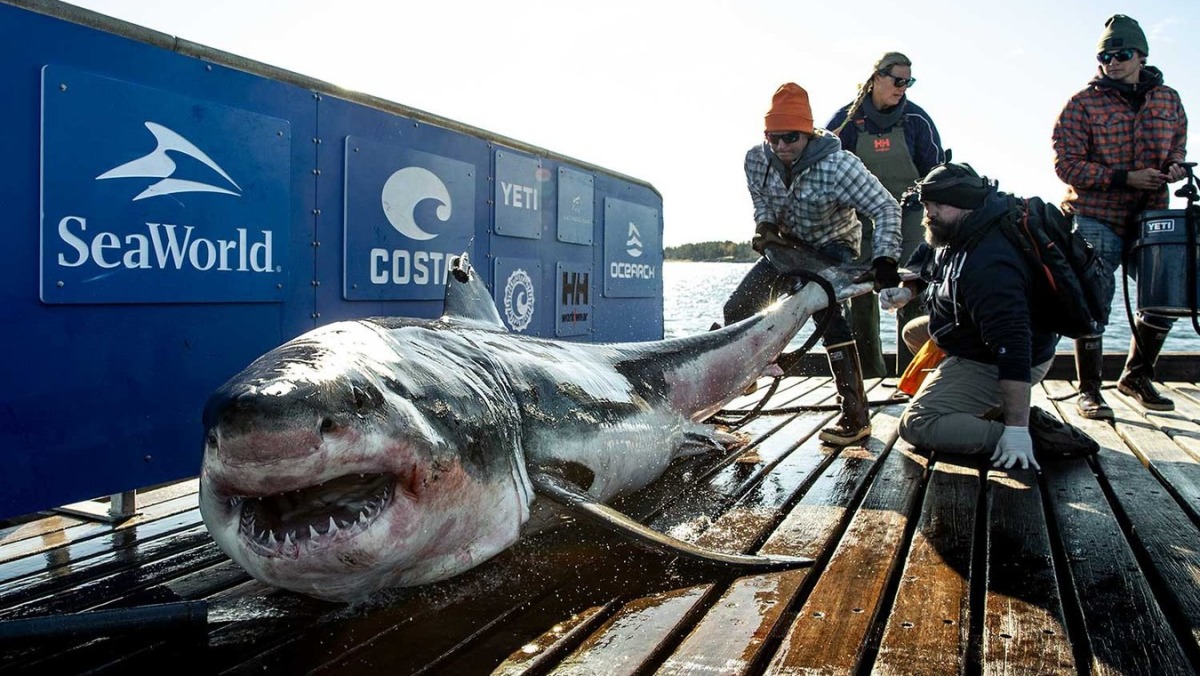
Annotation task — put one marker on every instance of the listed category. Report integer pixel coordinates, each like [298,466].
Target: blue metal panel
[105,397]
[520,188]
[408,213]
[361,149]
[632,250]
[576,206]
[135,210]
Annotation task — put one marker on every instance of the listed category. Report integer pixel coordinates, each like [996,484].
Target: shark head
[355,458]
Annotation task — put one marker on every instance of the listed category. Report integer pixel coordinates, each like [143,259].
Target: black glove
[887,275]
[765,233]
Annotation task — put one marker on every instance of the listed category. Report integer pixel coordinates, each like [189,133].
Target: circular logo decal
[518,300]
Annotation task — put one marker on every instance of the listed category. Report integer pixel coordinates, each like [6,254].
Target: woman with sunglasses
[897,140]
[1117,144]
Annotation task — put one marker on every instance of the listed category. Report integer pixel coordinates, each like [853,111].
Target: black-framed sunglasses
[1121,56]
[900,82]
[775,138]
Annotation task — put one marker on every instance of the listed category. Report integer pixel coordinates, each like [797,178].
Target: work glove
[766,233]
[894,298]
[1015,446]
[886,272]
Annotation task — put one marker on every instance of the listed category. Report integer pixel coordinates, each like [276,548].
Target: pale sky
[674,93]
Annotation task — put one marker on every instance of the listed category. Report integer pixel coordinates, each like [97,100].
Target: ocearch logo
[158,164]
[634,242]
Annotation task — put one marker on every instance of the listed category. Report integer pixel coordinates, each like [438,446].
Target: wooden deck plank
[54,539]
[928,628]
[1109,575]
[542,653]
[100,558]
[739,627]
[1173,465]
[830,631]
[1023,619]
[635,634]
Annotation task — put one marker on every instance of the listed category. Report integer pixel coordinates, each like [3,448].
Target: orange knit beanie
[790,110]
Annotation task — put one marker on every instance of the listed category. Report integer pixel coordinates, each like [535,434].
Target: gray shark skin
[395,451]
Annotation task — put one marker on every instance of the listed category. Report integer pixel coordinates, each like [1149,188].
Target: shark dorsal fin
[467,297]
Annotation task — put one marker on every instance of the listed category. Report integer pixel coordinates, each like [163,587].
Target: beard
[938,232]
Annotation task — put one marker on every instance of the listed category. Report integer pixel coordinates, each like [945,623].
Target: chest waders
[888,158]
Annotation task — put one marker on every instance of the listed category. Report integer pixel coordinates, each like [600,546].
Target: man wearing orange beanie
[806,188]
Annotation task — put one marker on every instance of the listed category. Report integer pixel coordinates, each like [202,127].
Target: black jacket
[978,296]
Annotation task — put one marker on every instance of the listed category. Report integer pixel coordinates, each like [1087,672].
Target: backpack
[1073,287]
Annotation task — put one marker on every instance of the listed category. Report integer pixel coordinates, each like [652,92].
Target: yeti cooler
[1160,256]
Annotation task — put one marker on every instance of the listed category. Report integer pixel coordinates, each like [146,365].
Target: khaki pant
[946,414]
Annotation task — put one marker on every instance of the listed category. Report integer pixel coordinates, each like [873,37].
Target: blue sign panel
[518,195]
[632,250]
[149,196]
[573,307]
[576,204]
[408,212]
[516,290]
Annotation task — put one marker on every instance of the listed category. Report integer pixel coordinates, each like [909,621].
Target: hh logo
[883,145]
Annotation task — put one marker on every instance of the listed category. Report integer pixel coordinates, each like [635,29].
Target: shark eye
[211,439]
[326,425]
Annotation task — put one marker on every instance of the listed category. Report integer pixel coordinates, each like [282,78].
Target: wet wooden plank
[1023,619]
[548,649]
[635,634]
[830,631]
[125,550]
[739,627]
[1159,531]
[927,630]
[62,545]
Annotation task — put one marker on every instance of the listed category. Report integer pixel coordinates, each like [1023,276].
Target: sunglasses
[900,82]
[1121,56]
[782,137]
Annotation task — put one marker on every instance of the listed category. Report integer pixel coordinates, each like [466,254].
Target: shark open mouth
[335,510]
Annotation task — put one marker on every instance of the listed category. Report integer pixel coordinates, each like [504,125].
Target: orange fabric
[925,360]
[790,110]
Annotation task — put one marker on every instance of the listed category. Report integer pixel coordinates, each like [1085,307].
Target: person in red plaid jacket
[1117,145]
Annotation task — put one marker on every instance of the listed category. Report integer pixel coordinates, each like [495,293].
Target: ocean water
[693,294]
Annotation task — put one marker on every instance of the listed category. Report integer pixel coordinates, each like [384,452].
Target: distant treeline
[733,252]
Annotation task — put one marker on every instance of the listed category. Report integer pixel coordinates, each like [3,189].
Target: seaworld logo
[158,164]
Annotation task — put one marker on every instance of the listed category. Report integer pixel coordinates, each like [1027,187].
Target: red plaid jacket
[1098,133]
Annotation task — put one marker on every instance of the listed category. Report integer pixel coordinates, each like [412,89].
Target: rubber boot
[1089,363]
[1137,380]
[855,421]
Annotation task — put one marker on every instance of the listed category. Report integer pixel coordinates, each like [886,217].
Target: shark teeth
[321,515]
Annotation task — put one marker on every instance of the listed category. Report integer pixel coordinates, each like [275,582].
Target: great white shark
[395,451]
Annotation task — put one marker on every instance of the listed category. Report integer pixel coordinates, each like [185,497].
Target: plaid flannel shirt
[1099,133]
[819,206]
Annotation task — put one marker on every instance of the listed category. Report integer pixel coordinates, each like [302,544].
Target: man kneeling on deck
[978,285]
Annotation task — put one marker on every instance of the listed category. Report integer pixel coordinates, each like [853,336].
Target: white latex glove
[1015,446]
[896,297]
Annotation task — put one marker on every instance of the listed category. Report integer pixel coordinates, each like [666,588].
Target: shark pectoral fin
[584,506]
